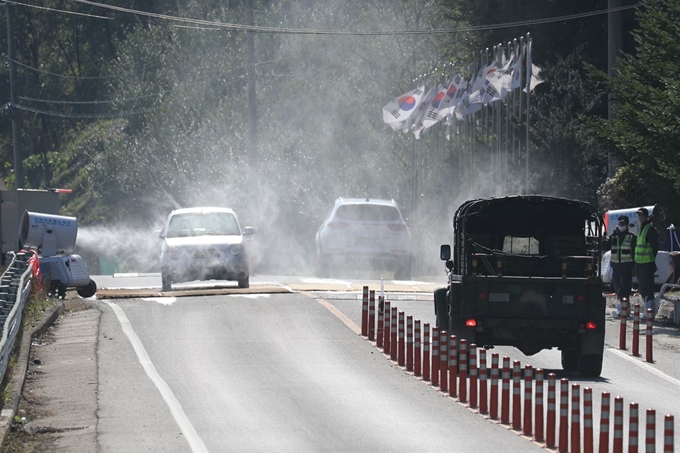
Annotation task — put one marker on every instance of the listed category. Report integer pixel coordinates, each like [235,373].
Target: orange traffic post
[633,428]
[622,324]
[636,330]
[426,351]
[462,370]
[516,395]
[668,434]
[505,391]
[538,406]
[453,366]
[394,344]
[380,333]
[401,352]
[387,328]
[527,427]
[618,425]
[473,375]
[371,315]
[650,430]
[483,372]
[443,361]
[417,351]
[575,418]
[435,356]
[563,445]
[551,412]
[364,312]
[493,397]
[409,343]
[648,337]
[604,423]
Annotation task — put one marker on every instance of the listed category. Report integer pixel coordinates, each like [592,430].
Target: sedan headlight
[236,249]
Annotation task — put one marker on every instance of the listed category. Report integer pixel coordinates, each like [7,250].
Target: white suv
[362,232]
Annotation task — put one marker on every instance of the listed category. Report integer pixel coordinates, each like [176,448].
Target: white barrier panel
[49,233]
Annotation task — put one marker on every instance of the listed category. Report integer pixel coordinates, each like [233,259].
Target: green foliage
[646,129]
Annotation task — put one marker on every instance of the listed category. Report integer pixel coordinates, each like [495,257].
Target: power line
[78,115]
[59,10]
[106,101]
[23,65]
[216,25]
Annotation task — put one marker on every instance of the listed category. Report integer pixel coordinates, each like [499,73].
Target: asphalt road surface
[288,372]
[266,372]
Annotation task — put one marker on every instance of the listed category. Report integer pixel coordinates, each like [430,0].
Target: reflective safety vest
[621,249]
[643,249]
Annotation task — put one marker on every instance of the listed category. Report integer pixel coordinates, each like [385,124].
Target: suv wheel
[570,360]
[166,283]
[590,365]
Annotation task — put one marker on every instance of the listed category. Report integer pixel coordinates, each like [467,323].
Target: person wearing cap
[646,248]
[623,243]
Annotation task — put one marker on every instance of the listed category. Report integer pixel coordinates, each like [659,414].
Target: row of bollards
[636,330]
[477,386]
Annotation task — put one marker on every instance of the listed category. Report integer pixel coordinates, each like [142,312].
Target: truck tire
[590,365]
[244,282]
[166,283]
[88,290]
[441,309]
[570,360]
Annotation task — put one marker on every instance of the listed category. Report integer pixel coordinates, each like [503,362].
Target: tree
[646,129]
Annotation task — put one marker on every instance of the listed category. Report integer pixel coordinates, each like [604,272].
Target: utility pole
[614,46]
[14,112]
[253,155]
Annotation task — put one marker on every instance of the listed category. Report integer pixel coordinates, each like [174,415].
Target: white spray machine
[54,237]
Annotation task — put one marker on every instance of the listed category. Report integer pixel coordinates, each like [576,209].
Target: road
[264,372]
[256,372]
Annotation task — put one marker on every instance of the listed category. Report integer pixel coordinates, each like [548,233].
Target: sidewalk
[58,404]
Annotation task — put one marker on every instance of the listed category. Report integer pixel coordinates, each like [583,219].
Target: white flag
[432,116]
[512,78]
[535,80]
[418,117]
[404,106]
[448,103]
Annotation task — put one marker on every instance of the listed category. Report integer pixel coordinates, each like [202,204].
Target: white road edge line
[195,442]
[645,366]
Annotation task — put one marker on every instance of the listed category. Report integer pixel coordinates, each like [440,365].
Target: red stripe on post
[401,359]
[538,407]
[443,361]
[462,370]
[604,423]
[364,312]
[618,425]
[563,446]
[668,435]
[587,420]
[453,366]
[650,431]
[575,418]
[435,356]
[633,427]
[394,343]
[527,427]
[388,327]
[417,365]
[505,392]
[483,373]
[551,412]
[493,397]
[371,315]
[473,376]
[409,343]
[516,395]
[426,351]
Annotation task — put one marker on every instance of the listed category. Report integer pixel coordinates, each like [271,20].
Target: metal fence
[15,286]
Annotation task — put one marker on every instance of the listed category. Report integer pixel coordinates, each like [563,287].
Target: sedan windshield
[197,224]
[368,213]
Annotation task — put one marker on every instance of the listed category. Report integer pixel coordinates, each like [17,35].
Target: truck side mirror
[445,252]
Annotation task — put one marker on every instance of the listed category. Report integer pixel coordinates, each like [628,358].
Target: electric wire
[79,115]
[302,31]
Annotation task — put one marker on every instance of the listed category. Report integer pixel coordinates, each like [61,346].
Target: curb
[16,382]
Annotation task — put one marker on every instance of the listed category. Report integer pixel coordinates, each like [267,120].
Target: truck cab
[524,271]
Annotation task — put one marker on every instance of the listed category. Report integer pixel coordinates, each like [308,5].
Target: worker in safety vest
[622,262]
[646,248]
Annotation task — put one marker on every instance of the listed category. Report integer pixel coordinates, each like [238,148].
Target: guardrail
[660,297]
[15,286]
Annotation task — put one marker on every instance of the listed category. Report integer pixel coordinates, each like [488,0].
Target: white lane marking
[645,366]
[161,300]
[251,296]
[195,442]
[328,281]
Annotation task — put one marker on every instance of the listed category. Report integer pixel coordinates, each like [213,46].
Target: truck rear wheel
[570,360]
[441,309]
[590,365]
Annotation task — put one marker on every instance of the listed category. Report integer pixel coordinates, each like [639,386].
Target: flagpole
[528,56]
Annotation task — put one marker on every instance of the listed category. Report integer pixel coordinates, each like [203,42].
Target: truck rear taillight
[581,298]
[590,325]
[482,296]
[471,322]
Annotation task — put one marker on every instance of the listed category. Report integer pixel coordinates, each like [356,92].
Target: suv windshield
[195,224]
[369,213]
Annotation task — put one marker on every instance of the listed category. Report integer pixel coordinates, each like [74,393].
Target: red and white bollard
[388,327]
[364,312]
[563,442]
[453,366]
[618,425]
[435,356]
[380,334]
[409,343]
[516,395]
[648,337]
[668,434]
[426,351]
[528,390]
[394,340]
[493,397]
[371,315]
[650,430]
[604,423]
[538,406]
[552,411]
[636,330]
[633,428]
[473,376]
[622,325]
[401,353]
[505,392]
[588,420]
[443,361]
[462,370]
[417,352]
[483,372]
[575,418]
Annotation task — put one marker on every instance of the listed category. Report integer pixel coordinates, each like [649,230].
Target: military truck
[524,271]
